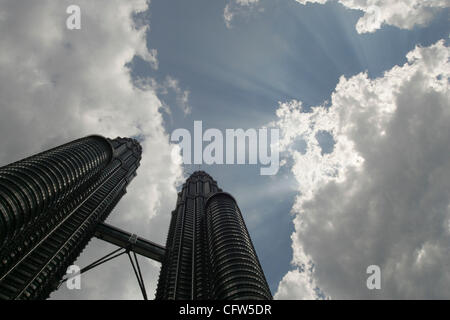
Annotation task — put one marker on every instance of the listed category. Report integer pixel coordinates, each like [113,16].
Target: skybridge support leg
[127,243]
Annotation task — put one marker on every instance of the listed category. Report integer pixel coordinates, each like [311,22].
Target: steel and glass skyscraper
[209,253]
[50,206]
[53,203]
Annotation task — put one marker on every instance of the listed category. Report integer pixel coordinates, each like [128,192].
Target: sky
[358,89]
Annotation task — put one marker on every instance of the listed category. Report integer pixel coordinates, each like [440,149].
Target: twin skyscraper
[53,203]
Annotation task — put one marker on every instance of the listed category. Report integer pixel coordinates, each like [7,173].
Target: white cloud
[182,96]
[296,285]
[57,85]
[382,195]
[404,14]
[238,8]
[228,15]
[246,2]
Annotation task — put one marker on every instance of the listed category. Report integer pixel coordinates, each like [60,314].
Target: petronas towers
[53,203]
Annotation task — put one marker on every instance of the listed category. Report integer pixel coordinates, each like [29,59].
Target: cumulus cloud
[296,285]
[57,85]
[404,14]
[381,197]
[238,7]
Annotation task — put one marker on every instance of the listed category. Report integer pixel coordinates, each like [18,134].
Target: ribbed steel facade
[209,253]
[50,204]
